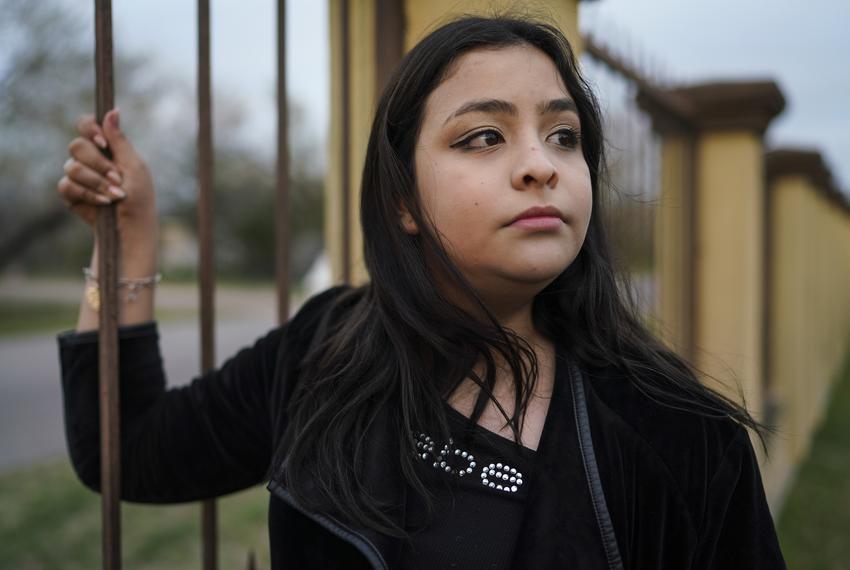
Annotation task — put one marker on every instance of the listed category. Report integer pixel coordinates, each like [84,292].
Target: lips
[541,213]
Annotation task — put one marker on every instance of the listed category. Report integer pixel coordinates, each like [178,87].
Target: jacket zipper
[360,542]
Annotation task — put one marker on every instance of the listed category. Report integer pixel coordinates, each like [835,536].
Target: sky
[803,46]
[243,44]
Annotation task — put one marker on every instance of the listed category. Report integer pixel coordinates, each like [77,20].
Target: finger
[87,126]
[121,147]
[83,150]
[73,192]
[85,211]
[92,180]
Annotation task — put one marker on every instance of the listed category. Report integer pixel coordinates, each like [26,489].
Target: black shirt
[479,482]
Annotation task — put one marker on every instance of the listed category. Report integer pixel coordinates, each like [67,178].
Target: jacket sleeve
[737,530]
[209,438]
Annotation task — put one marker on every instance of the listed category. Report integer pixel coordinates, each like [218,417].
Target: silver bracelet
[132,285]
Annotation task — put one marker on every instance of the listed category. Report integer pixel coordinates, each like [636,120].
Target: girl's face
[500,171]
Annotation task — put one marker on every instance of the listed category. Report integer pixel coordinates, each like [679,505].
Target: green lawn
[49,520]
[814,527]
[30,317]
[22,317]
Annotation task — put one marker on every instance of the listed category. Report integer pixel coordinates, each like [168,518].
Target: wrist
[138,261]
[137,256]
[129,288]
[143,239]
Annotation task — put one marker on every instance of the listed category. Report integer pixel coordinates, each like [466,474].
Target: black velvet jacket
[621,482]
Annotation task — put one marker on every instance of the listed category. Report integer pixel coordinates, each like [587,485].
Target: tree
[47,81]
[244,199]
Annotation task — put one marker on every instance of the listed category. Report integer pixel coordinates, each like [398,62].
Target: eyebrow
[502,107]
[558,106]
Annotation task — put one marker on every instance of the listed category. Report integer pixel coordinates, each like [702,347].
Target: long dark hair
[399,344]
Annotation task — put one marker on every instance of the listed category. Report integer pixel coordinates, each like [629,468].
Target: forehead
[518,74]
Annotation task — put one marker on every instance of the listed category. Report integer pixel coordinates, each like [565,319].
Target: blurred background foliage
[46,83]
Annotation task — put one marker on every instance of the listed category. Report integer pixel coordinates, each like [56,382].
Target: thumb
[118,142]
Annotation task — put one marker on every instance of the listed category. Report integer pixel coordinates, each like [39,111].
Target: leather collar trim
[594,483]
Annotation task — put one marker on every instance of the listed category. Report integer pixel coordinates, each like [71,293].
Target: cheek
[427,180]
[587,203]
[582,193]
[451,196]
[465,211]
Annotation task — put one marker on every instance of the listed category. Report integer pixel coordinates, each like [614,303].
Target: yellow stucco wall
[809,275]
[810,317]
[672,245]
[362,99]
[424,16]
[729,202]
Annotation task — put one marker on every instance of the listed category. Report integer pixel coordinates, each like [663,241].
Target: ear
[408,224]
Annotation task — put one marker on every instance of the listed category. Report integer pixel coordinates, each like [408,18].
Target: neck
[510,303]
[517,317]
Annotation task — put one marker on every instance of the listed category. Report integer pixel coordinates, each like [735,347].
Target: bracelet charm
[92,295]
[92,291]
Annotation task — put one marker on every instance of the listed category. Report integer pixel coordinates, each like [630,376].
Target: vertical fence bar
[107,244]
[692,223]
[345,174]
[389,40]
[282,203]
[205,248]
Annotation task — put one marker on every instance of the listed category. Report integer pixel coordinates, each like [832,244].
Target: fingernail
[114,176]
[100,141]
[104,199]
[117,192]
[114,119]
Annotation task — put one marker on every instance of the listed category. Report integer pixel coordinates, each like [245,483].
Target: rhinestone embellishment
[501,477]
[456,461]
[449,458]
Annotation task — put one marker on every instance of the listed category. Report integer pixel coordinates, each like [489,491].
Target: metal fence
[633,150]
[108,269]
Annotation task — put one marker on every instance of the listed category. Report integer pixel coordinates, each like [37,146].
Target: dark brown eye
[565,137]
[481,139]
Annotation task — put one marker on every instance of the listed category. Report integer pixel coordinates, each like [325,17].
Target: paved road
[31,416]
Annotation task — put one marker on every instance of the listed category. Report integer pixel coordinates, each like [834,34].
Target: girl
[488,399]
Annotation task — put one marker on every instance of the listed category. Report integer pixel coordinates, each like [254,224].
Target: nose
[533,168]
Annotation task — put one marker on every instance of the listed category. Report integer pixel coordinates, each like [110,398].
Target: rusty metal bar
[282,203]
[206,282]
[652,93]
[690,211]
[345,166]
[389,40]
[107,243]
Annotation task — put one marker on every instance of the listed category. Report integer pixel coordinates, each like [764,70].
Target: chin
[545,271]
[531,281]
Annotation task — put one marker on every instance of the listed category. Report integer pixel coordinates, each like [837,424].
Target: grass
[30,317]
[22,317]
[814,527]
[49,520]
